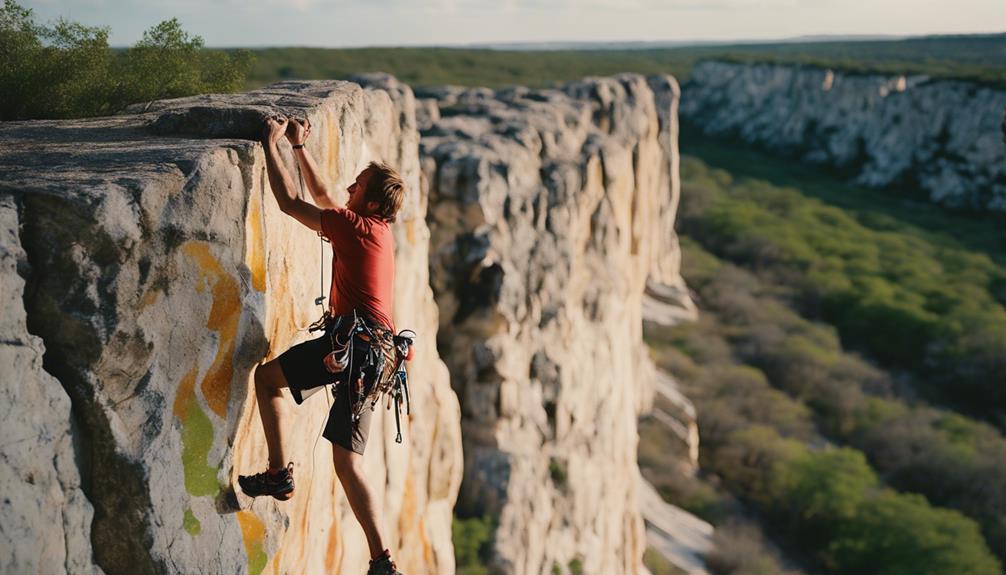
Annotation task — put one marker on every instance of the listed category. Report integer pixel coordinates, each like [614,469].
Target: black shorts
[305,372]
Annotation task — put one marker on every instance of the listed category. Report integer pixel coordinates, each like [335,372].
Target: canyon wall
[552,215]
[939,138]
[146,271]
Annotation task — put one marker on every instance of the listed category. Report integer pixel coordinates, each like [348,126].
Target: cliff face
[147,271]
[551,211]
[46,517]
[940,137]
[154,271]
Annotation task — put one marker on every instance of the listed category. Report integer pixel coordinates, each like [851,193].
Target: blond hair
[386,188]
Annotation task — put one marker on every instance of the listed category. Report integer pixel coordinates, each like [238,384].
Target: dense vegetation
[977,58]
[67,70]
[916,299]
[467,67]
[773,387]
[981,58]
[916,289]
[765,446]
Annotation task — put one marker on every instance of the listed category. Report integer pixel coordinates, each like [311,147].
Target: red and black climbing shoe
[383,565]
[278,483]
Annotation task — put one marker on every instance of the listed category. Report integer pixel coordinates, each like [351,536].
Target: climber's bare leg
[269,381]
[349,468]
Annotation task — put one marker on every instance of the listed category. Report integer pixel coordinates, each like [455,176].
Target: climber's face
[357,195]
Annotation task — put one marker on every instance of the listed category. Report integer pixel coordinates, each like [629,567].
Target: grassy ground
[974,231]
[976,58]
[439,66]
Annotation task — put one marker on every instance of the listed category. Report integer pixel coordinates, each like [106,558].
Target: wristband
[298,146]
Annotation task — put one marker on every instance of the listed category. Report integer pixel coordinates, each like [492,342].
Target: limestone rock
[682,538]
[939,137]
[550,211]
[161,273]
[677,414]
[46,522]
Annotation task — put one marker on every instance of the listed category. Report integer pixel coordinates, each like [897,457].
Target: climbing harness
[381,373]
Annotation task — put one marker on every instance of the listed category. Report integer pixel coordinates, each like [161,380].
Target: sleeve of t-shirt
[342,227]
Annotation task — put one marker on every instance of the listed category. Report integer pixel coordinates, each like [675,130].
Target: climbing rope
[322,322]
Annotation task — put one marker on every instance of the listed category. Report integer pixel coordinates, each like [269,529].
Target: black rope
[321,270]
[320,300]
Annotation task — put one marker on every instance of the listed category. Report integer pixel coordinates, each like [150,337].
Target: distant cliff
[551,211]
[937,137]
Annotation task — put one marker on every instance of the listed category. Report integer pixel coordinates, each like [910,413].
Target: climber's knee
[269,376]
[345,460]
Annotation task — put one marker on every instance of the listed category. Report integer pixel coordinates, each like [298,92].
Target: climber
[360,302]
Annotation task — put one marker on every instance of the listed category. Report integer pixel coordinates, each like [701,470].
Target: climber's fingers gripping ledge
[275,127]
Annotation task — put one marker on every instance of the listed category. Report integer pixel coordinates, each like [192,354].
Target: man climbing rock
[360,310]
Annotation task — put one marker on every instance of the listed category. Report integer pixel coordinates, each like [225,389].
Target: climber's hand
[273,130]
[298,130]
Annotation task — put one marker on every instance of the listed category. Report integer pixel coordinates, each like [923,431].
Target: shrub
[895,534]
[658,565]
[56,71]
[740,549]
[908,296]
[953,460]
[67,70]
[473,539]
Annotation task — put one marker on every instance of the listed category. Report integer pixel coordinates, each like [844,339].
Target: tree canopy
[68,70]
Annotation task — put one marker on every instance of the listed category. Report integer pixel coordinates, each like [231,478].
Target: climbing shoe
[383,565]
[277,483]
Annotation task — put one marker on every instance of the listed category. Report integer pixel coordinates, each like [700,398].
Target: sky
[357,23]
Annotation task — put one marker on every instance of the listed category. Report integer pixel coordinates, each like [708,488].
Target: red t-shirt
[363,264]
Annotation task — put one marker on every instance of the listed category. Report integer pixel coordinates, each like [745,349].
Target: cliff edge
[551,213]
[153,272]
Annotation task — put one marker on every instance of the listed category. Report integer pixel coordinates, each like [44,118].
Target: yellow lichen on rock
[253,534]
[256,241]
[224,316]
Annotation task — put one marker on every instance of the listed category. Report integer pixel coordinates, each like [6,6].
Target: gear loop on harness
[382,373]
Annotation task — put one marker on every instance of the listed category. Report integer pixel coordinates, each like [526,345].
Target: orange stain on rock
[427,548]
[332,158]
[149,299]
[410,232]
[407,521]
[333,554]
[255,255]
[185,396]
[275,563]
[224,317]
[408,514]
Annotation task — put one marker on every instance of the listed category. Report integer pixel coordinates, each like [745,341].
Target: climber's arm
[297,133]
[280,181]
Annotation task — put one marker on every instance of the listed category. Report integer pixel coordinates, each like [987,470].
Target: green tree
[67,70]
[746,460]
[816,492]
[472,539]
[901,534]
[169,63]
[56,71]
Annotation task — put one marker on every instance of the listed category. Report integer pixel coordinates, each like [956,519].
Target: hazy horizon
[478,23]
